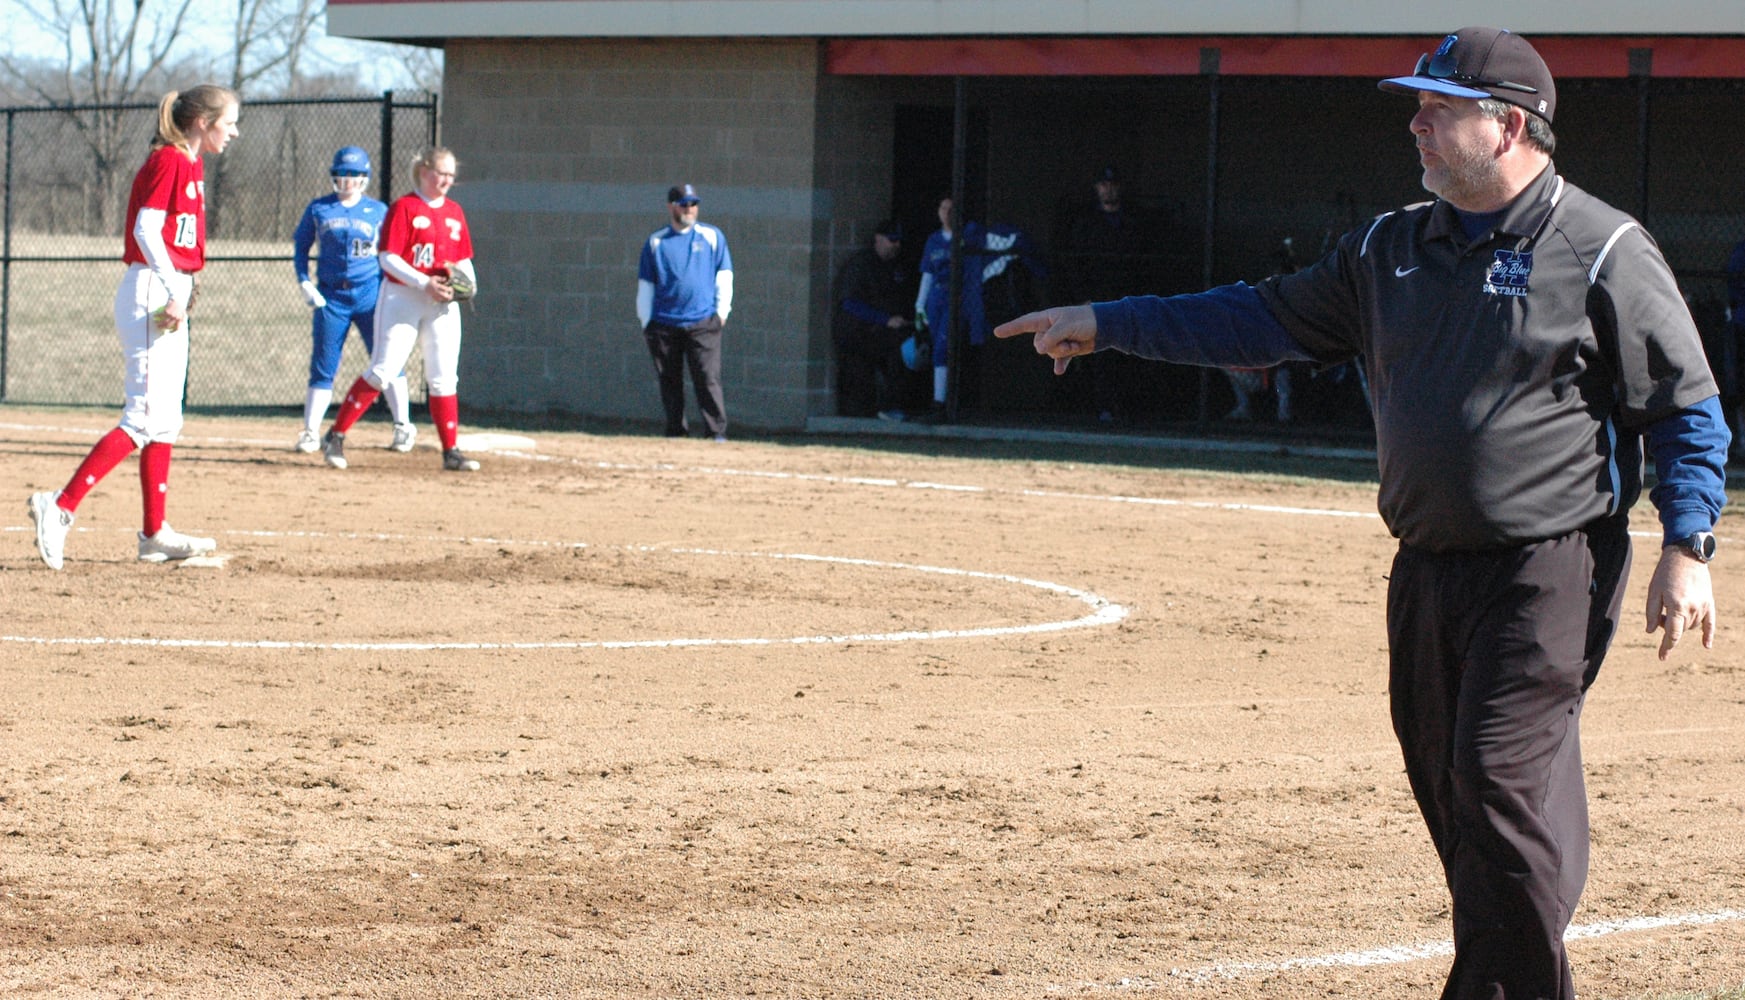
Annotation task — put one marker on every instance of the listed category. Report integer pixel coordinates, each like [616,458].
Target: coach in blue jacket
[684,291]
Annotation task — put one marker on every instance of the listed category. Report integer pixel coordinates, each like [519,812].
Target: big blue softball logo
[1509,272]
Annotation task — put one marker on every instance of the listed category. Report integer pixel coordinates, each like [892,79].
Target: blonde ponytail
[180,111]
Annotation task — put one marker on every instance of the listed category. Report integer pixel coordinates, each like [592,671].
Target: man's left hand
[1681,598]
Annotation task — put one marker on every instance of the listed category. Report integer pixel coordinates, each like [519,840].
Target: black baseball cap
[1479,62]
[891,229]
[682,194]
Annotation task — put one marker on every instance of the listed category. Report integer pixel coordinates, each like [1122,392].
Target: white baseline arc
[1102,611]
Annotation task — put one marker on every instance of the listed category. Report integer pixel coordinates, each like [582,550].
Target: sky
[378,66]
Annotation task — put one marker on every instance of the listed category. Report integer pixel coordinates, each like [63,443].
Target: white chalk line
[1384,955]
[1394,954]
[889,483]
[1102,611]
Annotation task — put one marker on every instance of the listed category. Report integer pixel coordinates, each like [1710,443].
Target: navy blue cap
[682,194]
[1479,62]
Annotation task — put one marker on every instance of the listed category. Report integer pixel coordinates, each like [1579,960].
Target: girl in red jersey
[165,247]
[423,241]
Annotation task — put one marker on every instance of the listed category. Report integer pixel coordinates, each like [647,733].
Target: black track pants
[697,348]
[1491,655]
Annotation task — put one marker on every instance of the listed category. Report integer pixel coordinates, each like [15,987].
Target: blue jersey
[346,257]
[936,283]
[682,269]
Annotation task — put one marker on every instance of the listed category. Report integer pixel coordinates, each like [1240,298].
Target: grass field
[250,335]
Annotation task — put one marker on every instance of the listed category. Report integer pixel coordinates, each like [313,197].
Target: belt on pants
[341,285]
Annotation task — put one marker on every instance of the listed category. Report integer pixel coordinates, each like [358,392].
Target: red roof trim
[1596,56]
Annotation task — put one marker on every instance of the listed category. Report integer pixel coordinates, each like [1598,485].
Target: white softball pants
[155,361]
[405,317]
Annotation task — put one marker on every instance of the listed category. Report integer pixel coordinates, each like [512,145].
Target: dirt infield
[627,717]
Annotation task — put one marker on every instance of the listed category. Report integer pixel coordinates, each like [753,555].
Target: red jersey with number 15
[425,236]
[175,185]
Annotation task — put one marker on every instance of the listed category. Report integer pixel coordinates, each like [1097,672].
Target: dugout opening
[1237,177]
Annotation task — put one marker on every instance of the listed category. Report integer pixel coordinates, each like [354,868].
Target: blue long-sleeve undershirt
[1690,453]
[1224,327]
[865,312]
[1231,327]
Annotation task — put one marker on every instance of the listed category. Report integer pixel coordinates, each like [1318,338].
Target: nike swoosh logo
[1401,272]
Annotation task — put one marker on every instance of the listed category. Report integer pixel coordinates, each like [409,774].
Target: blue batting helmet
[913,359]
[351,160]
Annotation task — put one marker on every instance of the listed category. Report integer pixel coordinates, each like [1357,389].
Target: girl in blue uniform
[343,226]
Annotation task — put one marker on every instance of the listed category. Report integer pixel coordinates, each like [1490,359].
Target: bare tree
[339,67]
[268,42]
[101,55]
[424,67]
[110,53]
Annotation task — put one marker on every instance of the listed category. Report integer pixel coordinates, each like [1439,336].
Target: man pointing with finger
[1523,340]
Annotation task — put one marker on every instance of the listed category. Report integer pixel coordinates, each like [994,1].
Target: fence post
[1211,69]
[387,171]
[1641,70]
[957,331]
[6,258]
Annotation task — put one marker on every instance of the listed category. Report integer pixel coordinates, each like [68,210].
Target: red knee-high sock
[154,483]
[104,456]
[358,400]
[445,414]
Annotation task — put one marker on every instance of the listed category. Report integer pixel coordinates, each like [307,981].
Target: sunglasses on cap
[1442,65]
[351,173]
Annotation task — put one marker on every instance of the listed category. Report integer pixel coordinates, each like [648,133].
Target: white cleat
[404,435]
[52,525]
[169,544]
[307,442]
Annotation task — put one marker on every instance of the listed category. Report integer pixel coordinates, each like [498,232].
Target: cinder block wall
[566,151]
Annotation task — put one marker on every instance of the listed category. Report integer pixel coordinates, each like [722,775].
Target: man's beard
[1472,176]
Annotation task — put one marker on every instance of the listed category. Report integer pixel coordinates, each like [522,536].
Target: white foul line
[814,477]
[883,482]
[1398,954]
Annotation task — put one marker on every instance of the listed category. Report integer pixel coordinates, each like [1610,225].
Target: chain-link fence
[66,174]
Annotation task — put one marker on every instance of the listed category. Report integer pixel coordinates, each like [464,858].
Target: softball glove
[461,284]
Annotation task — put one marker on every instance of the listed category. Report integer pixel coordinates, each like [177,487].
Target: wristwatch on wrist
[1700,544]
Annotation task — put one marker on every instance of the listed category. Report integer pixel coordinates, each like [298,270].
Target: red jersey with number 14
[175,185]
[425,236]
